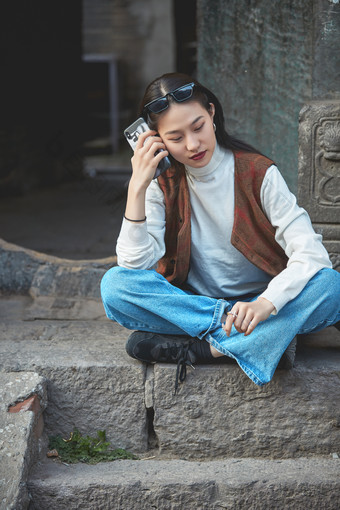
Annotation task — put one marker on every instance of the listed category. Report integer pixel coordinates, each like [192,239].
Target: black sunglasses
[162,103]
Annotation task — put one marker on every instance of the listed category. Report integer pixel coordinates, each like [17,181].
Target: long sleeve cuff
[133,234]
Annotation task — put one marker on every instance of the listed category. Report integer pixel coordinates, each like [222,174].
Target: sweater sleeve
[295,234]
[141,245]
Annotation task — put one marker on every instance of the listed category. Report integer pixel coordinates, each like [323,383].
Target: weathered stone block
[98,398]
[319,170]
[20,434]
[64,282]
[219,412]
[92,383]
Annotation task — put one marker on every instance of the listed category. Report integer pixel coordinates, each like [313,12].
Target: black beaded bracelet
[135,221]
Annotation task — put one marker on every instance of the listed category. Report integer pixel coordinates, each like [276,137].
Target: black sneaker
[288,357]
[154,347]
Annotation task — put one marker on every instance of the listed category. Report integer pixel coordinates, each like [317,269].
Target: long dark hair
[171,81]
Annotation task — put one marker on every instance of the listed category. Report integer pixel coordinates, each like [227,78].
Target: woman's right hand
[144,160]
[144,164]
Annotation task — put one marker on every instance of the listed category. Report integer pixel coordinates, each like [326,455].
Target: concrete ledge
[22,402]
[172,485]
[24,271]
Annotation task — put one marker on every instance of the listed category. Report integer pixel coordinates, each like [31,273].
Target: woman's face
[188,133]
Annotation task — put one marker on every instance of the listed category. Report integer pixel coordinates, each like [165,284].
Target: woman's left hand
[246,316]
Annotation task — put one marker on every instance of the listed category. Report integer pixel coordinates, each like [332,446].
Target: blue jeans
[144,300]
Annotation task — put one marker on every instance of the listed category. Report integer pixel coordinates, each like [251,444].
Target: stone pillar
[326,53]
[319,171]
[264,60]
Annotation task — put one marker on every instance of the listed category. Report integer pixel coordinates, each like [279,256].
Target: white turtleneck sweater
[217,269]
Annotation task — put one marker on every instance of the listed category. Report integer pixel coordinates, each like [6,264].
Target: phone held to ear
[132,133]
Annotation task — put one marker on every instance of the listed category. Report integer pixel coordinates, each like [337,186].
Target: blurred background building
[124,44]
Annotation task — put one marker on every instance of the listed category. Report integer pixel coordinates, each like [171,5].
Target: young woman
[215,258]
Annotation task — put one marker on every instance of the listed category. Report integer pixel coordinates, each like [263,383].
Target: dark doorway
[40,121]
[96,107]
[186,38]
[100,88]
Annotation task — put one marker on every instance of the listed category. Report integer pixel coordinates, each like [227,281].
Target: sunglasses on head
[162,103]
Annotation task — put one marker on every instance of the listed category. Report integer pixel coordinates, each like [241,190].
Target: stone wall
[265,60]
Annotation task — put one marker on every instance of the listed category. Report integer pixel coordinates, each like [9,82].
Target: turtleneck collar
[216,159]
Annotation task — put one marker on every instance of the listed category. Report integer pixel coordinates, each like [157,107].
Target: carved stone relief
[319,171]
[327,162]
[335,258]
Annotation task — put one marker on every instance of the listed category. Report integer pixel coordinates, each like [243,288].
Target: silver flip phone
[132,133]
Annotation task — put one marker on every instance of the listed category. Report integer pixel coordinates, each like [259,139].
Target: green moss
[90,450]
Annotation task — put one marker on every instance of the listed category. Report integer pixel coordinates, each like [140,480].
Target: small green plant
[90,450]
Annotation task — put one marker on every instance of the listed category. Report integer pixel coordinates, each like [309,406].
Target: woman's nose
[192,143]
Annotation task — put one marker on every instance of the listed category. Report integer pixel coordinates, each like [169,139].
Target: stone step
[172,485]
[218,412]
[22,401]
[92,385]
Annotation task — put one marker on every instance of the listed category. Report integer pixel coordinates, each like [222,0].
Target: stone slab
[20,434]
[24,271]
[218,412]
[171,485]
[92,383]
[48,307]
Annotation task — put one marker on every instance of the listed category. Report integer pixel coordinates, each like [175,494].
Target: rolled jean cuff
[215,340]
[220,307]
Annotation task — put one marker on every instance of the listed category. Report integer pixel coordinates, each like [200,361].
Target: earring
[214,126]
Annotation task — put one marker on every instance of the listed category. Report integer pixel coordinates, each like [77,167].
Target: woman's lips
[198,156]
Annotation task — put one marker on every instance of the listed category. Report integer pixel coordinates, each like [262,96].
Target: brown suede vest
[252,234]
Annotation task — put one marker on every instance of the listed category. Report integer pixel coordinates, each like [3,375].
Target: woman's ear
[211,110]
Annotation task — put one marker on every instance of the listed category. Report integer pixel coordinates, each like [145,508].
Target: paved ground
[76,220]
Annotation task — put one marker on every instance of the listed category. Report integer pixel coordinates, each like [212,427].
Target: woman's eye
[176,139]
[199,127]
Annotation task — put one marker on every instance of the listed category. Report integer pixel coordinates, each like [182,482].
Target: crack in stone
[153,441]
